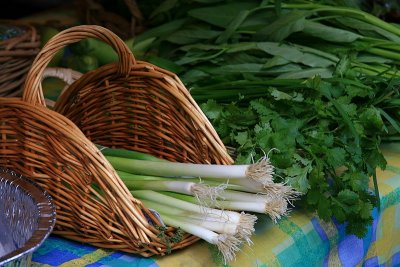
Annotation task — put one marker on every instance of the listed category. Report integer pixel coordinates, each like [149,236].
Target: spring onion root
[262,171]
[246,226]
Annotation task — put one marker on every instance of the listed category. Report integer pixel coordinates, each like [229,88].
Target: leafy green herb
[168,239]
[316,150]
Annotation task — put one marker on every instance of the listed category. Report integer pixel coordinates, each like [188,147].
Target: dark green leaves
[328,33]
[324,208]
[221,15]
[368,29]
[336,157]
[232,27]
[358,181]
[282,27]
[297,176]
[371,119]
[294,54]
[212,109]
[163,7]
[189,36]
[347,197]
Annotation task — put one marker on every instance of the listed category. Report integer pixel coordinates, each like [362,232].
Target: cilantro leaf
[347,196]
[212,109]
[297,177]
[371,119]
[336,157]
[324,208]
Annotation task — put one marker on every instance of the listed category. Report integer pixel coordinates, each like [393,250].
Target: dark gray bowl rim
[46,208]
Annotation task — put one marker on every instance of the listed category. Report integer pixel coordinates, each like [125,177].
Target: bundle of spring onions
[208,201]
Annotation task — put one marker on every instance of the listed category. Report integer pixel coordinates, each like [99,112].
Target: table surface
[299,240]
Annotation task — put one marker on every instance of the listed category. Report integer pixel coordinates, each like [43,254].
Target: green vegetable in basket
[82,63]
[103,52]
[99,50]
[204,199]
[46,33]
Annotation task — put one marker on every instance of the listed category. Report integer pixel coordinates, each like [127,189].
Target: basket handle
[32,89]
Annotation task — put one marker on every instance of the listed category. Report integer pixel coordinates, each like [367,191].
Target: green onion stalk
[226,222]
[214,202]
[261,171]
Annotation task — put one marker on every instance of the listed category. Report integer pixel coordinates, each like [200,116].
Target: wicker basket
[16,57]
[127,104]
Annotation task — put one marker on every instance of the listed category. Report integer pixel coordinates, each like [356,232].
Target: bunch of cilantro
[313,86]
[323,138]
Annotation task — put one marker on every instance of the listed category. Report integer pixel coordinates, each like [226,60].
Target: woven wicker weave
[16,56]
[127,104]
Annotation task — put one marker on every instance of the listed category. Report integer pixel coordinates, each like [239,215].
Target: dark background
[14,9]
[388,10]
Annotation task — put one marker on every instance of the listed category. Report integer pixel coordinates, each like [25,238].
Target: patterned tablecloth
[300,240]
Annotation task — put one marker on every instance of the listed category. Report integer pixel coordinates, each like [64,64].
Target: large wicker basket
[16,56]
[127,104]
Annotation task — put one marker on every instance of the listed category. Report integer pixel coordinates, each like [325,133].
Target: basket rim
[46,213]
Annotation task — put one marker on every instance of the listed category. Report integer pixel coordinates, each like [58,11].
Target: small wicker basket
[16,56]
[127,104]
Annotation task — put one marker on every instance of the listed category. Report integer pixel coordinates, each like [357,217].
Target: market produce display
[314,84]
[308,89]
[159,119]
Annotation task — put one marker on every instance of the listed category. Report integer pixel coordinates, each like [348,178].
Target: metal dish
[27,217]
